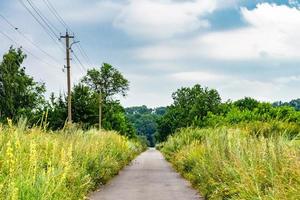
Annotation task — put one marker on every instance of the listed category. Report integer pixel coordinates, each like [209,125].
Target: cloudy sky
[239,47]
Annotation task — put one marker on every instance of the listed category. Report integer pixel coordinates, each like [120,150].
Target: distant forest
[294,103]
[145,119]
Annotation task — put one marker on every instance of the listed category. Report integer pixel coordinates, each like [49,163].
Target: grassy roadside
[248,162]
[35,164]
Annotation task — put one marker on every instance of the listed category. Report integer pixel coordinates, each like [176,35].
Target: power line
[27,39]
[50,26]
[83,53]
[62,21]
[40,23]
[56,14]
[27,51]
[78,60]
[37,20]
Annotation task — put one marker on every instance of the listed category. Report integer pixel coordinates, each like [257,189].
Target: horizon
[240,48]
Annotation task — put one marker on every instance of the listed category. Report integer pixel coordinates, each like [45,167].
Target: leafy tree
[246,103]
[85,112]
[190,107]
[160,111]
[20,95]
[145,120]
[106,82]
[84,106]
[115,119]
[56,112]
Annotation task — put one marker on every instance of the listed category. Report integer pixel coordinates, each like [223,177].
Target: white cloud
[164,18]
[287,79]
[93,12]
[198,76]
[272,32]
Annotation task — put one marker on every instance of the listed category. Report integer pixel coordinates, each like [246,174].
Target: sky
[239,47]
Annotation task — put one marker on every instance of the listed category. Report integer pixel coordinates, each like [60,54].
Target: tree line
[197,106]
[21,96]
[202,107]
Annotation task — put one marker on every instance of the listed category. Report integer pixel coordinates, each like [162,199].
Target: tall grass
[234,163]
[35,164]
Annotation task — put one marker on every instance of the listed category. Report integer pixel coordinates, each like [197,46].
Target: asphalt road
[149,177]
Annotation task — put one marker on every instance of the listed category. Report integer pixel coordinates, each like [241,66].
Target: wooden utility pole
[68,48]
[100,110]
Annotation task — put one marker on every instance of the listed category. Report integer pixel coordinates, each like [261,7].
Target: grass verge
[247,162]
[35,164]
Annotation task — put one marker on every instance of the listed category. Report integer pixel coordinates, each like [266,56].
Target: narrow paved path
[149,177]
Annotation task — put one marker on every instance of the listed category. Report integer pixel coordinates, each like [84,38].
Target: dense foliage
[251,161]
[145,120]
[231,113]
[198,107]
[20,95]
[241,150]
[85,112]
[190,107]
[58,165]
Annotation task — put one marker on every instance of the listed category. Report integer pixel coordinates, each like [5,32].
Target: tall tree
[190,107]
[19,93]
[106,82]
[246,103]
[84,102]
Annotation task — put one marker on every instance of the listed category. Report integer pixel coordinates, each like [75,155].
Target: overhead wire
[44,27]
[25,50]
[27,39]
[80,63]
[56,14]
[50,26]
[54,11]
[83,53]
[50,29]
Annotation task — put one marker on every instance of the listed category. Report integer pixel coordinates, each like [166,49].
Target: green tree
[56,112]
[84,108]
[106,82]
[20,95]
[114,118]
[145,120]
[247,103]
[190,107]
[85,112]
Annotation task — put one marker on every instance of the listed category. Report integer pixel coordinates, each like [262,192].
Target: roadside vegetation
[67,164]
[242,149]
[249,161]
[21,96]
[42,157]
